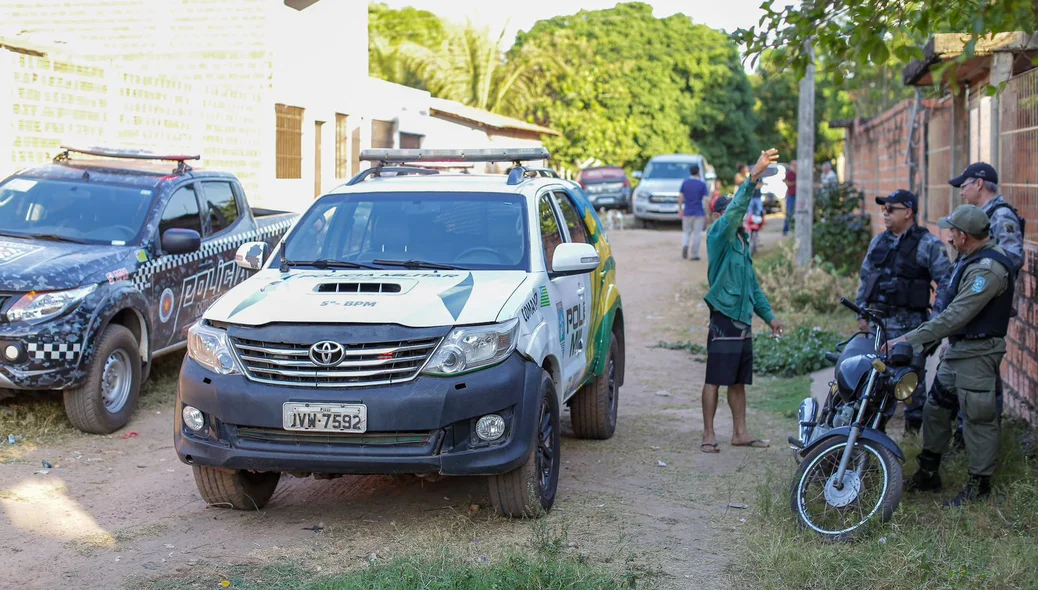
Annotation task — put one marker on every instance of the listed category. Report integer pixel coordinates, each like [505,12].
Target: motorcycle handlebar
[851,306]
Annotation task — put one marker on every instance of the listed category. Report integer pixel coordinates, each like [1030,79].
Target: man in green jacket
[734,297]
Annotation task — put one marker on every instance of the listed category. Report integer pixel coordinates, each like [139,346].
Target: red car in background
[606,186]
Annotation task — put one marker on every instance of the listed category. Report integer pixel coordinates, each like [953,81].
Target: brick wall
[878,149]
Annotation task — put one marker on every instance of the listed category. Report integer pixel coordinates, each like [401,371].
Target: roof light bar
[517,155]
[128,153]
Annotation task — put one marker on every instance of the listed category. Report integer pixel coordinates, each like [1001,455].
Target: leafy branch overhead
[851,35]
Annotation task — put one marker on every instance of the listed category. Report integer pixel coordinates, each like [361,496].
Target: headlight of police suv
[34,307]
[208,347]
[642,195]
[474,347]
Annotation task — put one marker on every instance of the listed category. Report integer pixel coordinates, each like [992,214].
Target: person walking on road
[733,298]
[791,195]
[897,277]
[693,216]
[975,322]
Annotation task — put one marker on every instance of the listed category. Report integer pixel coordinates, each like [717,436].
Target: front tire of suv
[106,400]
[528,491]
[593,408]
[235,488]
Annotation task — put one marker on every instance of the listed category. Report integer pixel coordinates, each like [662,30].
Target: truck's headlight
[208,347]
[33,307]
[642,195]
[475,347]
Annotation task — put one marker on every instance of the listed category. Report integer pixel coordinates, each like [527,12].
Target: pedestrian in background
[734,297]
[690,206]
[829,178]
[791,195]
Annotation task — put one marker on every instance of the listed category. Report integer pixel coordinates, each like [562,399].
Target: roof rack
[130,154]
[397,170]
[514,155]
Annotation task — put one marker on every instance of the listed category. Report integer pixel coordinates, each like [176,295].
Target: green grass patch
[799,352]
[779,396]
[444,570]
[990,544]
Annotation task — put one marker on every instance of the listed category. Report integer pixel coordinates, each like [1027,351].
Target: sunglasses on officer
[890,209]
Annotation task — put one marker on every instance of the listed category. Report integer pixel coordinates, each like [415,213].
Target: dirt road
[117,511]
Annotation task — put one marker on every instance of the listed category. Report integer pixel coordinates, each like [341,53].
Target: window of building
[289,141]
[220,204]
[381,134]
[342,146]
[410,141]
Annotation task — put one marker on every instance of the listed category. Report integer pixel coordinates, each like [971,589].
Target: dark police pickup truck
[107,257]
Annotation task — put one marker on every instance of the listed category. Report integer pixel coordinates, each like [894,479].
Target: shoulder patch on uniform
[978,284]
[985,262]
[1010,227]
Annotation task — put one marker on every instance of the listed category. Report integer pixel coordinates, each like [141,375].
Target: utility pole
[804,214]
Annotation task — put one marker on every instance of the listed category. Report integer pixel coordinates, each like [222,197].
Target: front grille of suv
[363,365]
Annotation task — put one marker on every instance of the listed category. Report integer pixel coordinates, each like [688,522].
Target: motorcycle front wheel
[870,491]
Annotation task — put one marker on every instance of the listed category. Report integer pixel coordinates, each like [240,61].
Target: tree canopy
[631,86]
[853,34]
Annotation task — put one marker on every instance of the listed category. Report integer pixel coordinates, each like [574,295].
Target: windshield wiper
[51,237]
[325,263]
[58,238]
[415,264]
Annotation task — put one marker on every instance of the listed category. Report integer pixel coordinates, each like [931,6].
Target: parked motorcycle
[850,470]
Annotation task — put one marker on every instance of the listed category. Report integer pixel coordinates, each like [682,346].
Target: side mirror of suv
[181,241]
[251,255]
[637,174]
[574,259]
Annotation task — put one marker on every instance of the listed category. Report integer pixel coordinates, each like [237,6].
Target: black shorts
[729,352]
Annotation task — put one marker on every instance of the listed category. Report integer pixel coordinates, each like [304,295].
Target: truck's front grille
[361,365]
[276,435]
[663,198]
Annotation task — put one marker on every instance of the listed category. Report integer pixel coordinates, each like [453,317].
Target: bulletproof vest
[993,320]
[900,282]
[1019,220]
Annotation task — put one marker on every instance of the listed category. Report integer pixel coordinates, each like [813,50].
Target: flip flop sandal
[755,443]
[710,448]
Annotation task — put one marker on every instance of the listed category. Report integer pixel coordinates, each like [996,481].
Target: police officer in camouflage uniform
[978,185]
[896,277]
[975,322]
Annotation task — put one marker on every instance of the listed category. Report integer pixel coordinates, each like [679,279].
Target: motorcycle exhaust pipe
[806,415]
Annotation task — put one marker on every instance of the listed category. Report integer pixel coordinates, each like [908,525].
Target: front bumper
[48,358]
[609,200]
[424,426]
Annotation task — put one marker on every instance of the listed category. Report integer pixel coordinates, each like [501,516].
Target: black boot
[977,488]
[958,442]
[684,251]
[927,478]
[913,426]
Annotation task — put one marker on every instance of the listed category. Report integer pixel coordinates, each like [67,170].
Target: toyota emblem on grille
[327,353]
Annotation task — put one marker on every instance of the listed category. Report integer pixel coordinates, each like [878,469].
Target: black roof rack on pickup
[130,154]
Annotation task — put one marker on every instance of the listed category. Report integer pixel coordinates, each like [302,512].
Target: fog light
[12,353]
[193,418]
[490,427]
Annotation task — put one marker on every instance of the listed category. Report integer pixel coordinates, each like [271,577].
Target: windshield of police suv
[472,231]
[73,211]
[667,170]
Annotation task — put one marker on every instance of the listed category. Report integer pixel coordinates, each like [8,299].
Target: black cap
[980,170]
[900,196]
[719,204]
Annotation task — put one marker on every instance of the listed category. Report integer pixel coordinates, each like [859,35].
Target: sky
[728,15]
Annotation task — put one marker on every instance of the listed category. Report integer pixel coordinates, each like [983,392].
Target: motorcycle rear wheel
[870,494]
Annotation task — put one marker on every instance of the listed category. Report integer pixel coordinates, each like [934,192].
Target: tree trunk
[804,214]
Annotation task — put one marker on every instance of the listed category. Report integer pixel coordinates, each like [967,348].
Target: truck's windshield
[472,231]
[77,211]
[668,170]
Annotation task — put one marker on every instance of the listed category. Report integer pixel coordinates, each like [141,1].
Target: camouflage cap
[968,219]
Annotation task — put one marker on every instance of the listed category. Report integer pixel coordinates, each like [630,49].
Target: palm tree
[469,67]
